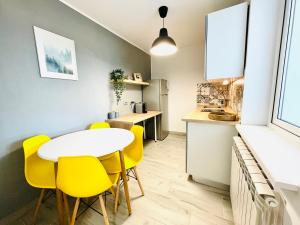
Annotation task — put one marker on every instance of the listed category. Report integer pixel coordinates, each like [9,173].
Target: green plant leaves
[117,77]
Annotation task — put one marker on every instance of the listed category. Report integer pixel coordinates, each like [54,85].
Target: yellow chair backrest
[98,125]
[82,176]
[136,150]
[32,145]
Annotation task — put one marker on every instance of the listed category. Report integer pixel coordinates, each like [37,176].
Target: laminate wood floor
[170,197]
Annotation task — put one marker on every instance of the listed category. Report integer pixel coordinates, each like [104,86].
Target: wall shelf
[133,82]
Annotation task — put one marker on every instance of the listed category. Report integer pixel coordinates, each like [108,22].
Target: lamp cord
[163,22]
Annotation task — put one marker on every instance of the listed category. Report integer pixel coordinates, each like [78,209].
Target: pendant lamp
[164,45]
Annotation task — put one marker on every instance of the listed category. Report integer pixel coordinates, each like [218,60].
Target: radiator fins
[254,202]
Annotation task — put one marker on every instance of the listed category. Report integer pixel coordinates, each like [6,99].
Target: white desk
[97,142]
[134,118]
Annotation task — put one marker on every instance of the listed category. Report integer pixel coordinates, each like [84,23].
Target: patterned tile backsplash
[224,95]
[212,93]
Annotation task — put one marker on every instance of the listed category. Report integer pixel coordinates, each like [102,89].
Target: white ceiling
[138,21]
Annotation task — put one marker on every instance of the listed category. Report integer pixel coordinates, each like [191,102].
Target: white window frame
[281,72]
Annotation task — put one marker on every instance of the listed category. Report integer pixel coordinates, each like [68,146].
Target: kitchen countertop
[202,117]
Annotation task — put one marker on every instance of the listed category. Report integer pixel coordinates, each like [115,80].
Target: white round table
[96,142]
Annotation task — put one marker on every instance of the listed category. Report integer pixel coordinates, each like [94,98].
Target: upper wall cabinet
[226,32]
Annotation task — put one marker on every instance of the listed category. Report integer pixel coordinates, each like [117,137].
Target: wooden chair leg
[59,205]
[113,192]
[105,217]
[126,189]
[139,181]
[118,190]
[75,211]
[38,205]
[45,195]
[117,200]
[67,208]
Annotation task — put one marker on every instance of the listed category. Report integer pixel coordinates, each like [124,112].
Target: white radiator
[253,199]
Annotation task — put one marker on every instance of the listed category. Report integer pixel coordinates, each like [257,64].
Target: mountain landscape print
[58,60]
[56,55]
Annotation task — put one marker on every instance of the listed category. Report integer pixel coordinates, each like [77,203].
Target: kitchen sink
[222,116]
[212,106]
[212,110]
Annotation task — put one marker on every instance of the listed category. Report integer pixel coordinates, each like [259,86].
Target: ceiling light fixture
[163,45]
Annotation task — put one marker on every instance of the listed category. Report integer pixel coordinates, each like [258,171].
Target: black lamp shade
[163,45]
[163,37]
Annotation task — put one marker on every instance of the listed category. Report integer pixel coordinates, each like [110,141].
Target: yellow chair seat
[113,164]
[82,177]
[40,172]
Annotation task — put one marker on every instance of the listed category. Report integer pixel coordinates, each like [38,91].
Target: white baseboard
[177,133]
[210,183]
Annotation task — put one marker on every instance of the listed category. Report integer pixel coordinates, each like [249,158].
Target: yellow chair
[133,155]
[99,125]
[39,173]
[83,177]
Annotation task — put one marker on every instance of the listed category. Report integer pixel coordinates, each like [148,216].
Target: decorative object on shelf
[138,77]
[163,45]
[56,55]
[117,78]
[129,77]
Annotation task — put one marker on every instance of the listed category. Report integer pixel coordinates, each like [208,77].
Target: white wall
[265,23]
[132,93]
[182,70]
[185,69]
[32,105]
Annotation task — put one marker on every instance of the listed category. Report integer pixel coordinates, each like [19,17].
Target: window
[286,112]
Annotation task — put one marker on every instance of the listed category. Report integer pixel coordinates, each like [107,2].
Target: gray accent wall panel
[30,105]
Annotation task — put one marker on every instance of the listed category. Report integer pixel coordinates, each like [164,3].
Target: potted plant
[117,78]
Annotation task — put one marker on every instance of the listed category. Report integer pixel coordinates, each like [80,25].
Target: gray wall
[30,105]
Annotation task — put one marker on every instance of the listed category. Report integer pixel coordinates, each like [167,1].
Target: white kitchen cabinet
[209,152]
[225,44]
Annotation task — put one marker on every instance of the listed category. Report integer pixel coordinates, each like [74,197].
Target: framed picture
[56,55]
[138,76]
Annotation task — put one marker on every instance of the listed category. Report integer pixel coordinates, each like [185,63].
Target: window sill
[278,156]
